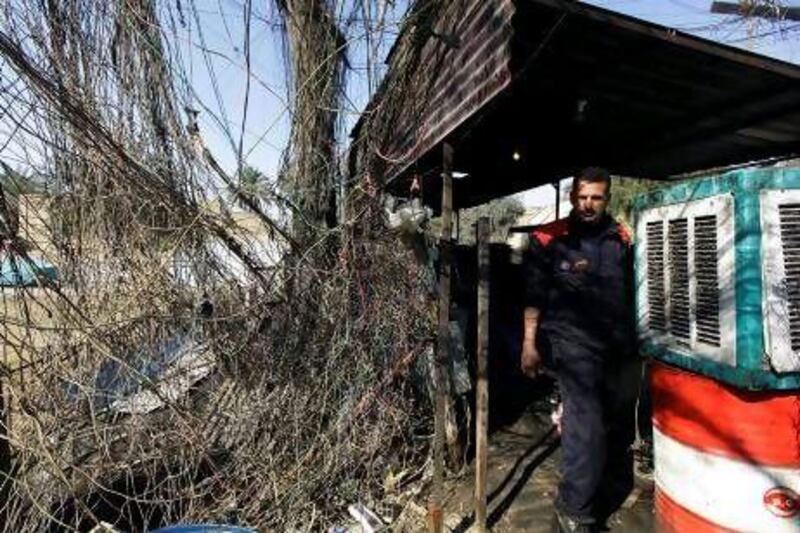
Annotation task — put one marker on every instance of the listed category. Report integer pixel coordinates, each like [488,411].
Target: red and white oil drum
[725,459]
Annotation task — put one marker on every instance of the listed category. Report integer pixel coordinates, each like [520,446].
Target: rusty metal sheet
[449,82]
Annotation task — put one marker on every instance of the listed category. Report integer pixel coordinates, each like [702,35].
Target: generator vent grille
[790,243]
[655,276]
[707,279]
[685,277]
[678,240]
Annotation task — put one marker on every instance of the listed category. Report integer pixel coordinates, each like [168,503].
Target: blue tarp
[19,271]
[204,528]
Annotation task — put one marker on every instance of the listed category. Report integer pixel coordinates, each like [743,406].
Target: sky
[207,39]
[781,41]
[211,49]
[214,59]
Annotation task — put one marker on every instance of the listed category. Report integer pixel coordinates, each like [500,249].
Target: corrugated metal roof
[563,84]
[468,73]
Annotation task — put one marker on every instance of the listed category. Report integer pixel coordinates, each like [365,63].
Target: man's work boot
[563,523]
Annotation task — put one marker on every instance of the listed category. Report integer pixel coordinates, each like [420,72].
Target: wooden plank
[482,386]
[5,457]
[712,126]
[443,345]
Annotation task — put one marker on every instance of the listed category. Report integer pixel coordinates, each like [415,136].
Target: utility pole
[753,8]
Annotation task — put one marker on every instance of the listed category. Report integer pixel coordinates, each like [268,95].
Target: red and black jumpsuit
[580,278]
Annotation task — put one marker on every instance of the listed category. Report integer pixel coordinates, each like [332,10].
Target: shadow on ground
[522,479]
[534,456]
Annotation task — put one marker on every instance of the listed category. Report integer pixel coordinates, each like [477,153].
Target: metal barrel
[726,459]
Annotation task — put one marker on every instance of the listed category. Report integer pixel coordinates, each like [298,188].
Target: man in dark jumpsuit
[579,315]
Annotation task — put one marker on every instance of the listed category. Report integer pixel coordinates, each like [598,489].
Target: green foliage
[251,184]
[503,213]
[623,193]
[15,183]
[250,178]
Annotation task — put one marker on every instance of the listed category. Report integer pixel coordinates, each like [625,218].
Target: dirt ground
[522,481]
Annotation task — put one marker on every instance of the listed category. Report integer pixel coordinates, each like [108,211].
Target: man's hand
[531,361]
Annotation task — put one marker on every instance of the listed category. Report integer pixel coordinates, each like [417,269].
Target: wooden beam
[557,186]
[443,346]
[5,457]
[482,386]
[713,126]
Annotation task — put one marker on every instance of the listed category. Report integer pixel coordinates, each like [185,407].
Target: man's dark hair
[593,175]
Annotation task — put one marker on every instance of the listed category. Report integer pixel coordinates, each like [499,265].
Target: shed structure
[511,94]
[529,91]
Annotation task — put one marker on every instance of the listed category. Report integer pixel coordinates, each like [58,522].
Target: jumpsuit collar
[605,225]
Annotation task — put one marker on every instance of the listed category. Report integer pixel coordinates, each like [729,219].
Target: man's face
[590,201]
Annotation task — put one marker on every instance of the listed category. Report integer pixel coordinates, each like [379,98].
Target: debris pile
[195,359]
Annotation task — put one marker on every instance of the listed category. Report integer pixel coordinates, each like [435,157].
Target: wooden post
[5,458]
[482,386]
[557,185]
[443,345]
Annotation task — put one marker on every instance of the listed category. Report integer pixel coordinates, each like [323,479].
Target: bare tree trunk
[309,175]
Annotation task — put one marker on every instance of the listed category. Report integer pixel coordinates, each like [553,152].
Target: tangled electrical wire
[190,362]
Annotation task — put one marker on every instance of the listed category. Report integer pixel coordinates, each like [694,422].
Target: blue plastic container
[203,528]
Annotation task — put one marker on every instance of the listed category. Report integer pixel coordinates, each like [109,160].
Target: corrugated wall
[455,59]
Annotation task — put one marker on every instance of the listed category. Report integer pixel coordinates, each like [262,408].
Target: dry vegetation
[302,390]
